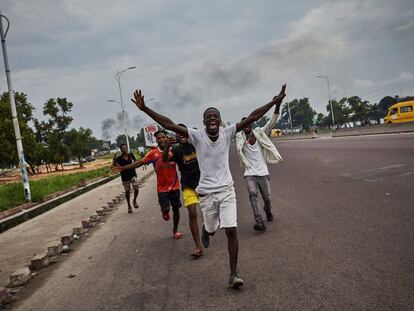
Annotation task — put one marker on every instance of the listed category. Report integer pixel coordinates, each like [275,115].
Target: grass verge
[11,195]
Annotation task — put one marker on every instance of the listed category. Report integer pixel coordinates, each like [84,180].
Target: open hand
[170,141]
[138,100]
[278,99]
[116,168]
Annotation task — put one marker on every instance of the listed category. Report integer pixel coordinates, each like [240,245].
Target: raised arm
[259,112]
[159,118]
[273,120]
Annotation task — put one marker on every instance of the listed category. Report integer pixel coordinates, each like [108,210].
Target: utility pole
[330,98]
[118,79]
[290,116]
[20,153]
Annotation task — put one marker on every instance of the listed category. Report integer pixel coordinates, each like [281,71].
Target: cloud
[364,83]
[190,55]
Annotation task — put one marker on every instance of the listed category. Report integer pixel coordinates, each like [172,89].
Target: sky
[190,55]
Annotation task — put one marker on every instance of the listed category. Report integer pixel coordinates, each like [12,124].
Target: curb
[27,214]
[24,215]
[21,276]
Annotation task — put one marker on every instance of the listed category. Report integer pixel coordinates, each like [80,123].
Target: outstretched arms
[259,112]
[118,168]
[163,120]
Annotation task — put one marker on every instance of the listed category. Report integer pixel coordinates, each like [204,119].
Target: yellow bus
[400,112]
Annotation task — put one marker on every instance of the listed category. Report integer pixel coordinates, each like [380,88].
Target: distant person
[215,188]
[184,154]
[168,185]
[128,176]
[142,154]
[255,149]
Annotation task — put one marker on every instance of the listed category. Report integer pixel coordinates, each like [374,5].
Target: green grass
[11,195]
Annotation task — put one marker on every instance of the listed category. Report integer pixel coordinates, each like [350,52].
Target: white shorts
[219,210]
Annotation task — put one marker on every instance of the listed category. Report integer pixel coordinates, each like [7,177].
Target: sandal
[198,252]
[129,210]
[135,204]
[177,235]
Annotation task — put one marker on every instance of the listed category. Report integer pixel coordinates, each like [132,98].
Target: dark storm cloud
[233,77]
[175,93]
[189,55]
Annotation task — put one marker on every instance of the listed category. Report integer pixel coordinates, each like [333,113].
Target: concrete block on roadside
[85,224]
[110,204]
[20,277]
[94,218]
[100,212]
[82,182]
[55,250]
[39,262]
[78,231]
[66,240]
[3,293]
[115,201]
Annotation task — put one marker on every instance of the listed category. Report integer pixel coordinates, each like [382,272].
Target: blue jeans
[260,183]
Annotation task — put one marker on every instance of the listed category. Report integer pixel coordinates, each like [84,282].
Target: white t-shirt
[213,159]
[254,155]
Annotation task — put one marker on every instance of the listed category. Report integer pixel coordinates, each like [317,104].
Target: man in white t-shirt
[215,188]
[255,151]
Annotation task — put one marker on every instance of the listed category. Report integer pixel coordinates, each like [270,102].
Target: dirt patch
[14,175]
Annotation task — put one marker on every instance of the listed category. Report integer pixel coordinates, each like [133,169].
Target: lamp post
[20,152]
[330,99]
[124,119]
[118,79]
[290,116]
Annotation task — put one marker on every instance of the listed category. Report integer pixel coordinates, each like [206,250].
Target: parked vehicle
[400,112]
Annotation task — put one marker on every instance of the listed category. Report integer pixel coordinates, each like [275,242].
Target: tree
[8,150]
[79,143]
[384,104]
[374,112]
[52,132]
[341,111]
[321,120]
[301,112]
[359,108]
[141,138]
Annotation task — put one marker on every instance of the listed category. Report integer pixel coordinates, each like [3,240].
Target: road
[342,240]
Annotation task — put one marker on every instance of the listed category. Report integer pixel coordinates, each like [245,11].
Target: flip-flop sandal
[136,205]
[197,253]
[177,235]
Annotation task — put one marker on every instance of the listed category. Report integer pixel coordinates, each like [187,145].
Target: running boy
[128,176]
[168,185]
[184,154]
[215,188]
[255,150]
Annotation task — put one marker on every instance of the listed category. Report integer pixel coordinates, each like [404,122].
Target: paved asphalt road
[343,239]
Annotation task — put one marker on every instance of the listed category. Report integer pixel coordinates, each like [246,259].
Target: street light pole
[20,153]
[330,99]
[290,116]
[118,79]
